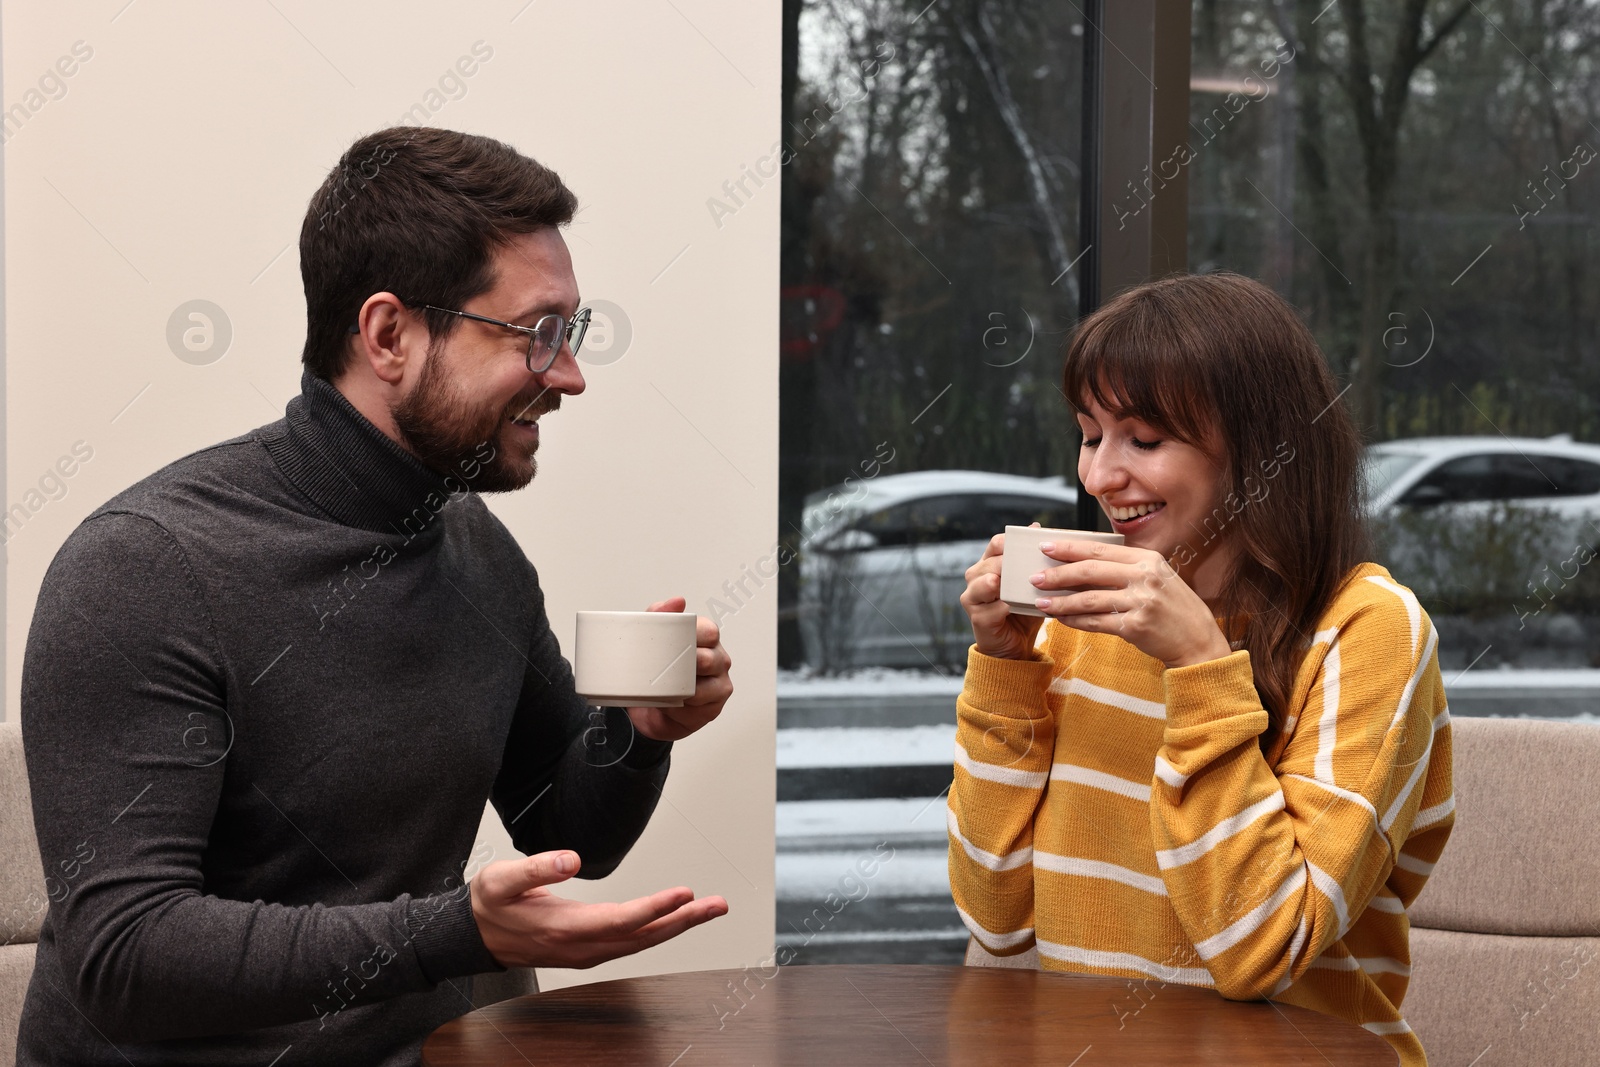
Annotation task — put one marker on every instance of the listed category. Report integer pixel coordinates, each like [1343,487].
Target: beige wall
[177,165]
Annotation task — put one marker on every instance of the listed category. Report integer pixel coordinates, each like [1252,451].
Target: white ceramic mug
[1022,560]
[635,658]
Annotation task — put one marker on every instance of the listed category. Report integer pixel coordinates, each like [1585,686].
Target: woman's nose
[1101,470]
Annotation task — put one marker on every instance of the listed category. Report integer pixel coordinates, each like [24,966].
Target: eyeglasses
[544,337]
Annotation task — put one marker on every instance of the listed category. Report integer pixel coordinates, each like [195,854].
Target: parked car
[1470,473]
[1487,524]
[883,562]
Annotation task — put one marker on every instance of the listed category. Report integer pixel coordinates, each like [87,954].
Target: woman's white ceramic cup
[1022,560]
[635,658]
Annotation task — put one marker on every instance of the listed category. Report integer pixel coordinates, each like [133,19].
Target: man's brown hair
[1222,358]
[417,212]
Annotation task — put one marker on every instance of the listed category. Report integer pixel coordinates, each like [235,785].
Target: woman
[1224,758]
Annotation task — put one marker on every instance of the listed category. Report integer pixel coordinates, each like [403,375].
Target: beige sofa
[23,902]
[22,895]
[1505,938]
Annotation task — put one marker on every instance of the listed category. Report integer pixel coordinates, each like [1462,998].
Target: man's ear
[388,337]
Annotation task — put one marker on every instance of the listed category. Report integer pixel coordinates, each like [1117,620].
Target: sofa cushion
[1518,860]
[22,894]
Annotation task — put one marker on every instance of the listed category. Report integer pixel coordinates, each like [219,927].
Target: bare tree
[835,609]
[1376,88]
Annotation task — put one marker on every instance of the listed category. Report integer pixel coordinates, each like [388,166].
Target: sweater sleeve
[1267,866]
[1005,740]
[573,776]
[121,669]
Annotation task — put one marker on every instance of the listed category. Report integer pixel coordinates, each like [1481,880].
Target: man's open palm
[523,924]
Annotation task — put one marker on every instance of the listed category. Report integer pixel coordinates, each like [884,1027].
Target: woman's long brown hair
[1220,356]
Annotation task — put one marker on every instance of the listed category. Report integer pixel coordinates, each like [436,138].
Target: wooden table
[878,1016]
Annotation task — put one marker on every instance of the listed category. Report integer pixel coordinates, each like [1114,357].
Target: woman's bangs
[1138,374]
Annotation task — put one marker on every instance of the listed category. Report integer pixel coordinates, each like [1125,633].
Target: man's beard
[441,426]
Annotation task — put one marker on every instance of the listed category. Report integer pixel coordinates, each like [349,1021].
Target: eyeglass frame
[582,315]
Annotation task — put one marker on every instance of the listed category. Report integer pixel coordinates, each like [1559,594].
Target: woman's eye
[1145,446]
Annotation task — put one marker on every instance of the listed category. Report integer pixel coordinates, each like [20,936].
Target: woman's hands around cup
[1131,592]
[995,629]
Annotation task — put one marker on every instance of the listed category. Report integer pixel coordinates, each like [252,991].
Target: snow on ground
[891,819]
[1512,678]
[868,746]
[870,681]
[906,872]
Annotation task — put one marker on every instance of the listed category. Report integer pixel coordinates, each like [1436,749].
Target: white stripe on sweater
[1004,775]
[1411,783]
[1369,964]
[1126,961]
[1328,725]
[1071,772]
[1150,709]
[1400,1027]
[1413,609]
[1176,857]
[1170,774]
[1383,965]
[1330,887]
[1050,861]
[1428,816]
[1294,952]
[988,860]
[1414,865]
[1344,794]
[1236,932]
[1384,902]
[991,940]
[1416,676]
[1326,962]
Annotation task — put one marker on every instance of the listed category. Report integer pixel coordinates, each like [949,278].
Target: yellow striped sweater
[1122,817]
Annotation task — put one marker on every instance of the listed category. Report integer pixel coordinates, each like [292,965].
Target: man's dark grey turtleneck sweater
[266,693]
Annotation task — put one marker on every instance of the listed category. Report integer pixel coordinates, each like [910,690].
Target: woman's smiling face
[1158,491]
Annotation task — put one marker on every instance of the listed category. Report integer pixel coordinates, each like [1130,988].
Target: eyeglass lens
[545,343]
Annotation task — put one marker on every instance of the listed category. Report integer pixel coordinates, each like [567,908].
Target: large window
[1424,181]
[1421,179]
[929,279]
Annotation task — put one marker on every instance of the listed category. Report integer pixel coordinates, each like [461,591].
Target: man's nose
[564,376]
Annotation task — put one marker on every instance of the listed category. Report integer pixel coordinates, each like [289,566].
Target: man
[268,689]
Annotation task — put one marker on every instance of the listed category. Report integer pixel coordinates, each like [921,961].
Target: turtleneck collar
[348,467]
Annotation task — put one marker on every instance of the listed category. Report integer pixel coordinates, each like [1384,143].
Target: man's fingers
[509,879]
[712,661]
[687,917]
[672,603]
[710,694]
[625,920]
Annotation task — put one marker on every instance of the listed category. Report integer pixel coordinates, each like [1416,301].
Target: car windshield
[1383,466]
